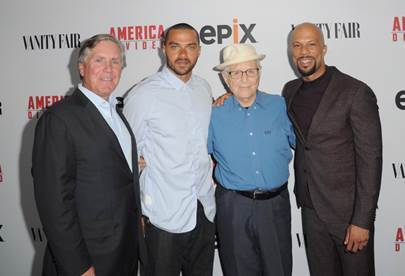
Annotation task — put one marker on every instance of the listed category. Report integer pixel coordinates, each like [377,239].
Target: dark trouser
[191,253]
[254,235]
[326,252]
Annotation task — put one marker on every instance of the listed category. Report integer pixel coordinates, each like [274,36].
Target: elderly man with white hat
[250,138]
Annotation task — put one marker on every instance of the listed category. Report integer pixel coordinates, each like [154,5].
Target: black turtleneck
[307,100]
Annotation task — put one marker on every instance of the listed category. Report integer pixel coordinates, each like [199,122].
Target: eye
[235,74]
[252,72]
[174,47]
[192,47]
[116,62]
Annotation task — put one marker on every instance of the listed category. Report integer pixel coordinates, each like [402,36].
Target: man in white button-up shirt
[169,113]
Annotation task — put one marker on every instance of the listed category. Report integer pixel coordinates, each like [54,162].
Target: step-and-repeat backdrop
[39,46]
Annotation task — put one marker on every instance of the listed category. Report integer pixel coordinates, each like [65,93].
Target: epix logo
[51,41]
[398,29]
[400,99]
[240,33]
[37,104]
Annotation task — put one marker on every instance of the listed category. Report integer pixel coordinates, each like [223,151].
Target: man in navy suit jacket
[86,173]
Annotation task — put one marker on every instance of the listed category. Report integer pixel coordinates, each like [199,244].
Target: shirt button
[253,153]
[257,172]
[254,107]
[251,133]
[248,114]
[147,200]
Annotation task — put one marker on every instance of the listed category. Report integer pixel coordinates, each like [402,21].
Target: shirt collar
[259,101]
[174,81]
[96,99]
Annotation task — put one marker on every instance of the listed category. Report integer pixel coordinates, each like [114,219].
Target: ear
[225,76]
[164,49]
[325,49]
[81,69]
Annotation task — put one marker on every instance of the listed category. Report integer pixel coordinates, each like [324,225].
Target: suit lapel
[133,142]
[291,114]
[327,101]
[97,118]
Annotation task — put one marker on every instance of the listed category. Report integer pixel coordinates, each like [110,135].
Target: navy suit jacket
[87,197]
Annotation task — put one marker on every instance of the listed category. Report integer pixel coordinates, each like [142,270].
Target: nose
[183,52]
[304,50]
[244,76]
[108,66]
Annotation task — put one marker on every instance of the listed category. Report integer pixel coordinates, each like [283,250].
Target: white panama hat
[237,53]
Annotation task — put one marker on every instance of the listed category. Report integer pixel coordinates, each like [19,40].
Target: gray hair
[92,42]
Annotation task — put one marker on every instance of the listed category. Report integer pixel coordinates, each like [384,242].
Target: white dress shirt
[170,120]
[110,115]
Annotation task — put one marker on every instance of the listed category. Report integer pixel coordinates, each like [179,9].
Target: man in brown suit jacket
[338,159]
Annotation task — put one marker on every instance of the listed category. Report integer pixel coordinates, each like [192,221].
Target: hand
[356,238]
[143,226]
[220,100]
[90,272]
[141,163]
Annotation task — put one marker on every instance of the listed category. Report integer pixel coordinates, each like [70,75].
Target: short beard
[178,73]
[308,73]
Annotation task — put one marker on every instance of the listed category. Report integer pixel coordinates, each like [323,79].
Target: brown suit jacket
[341,158]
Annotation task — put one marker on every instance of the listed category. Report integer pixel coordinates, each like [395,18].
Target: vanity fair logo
[338,30]
[398,169]
[37,234]
[138,37]
[38,104]
[51,41]
[398,29]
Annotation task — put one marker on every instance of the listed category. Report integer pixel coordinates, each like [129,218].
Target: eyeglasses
[250,73]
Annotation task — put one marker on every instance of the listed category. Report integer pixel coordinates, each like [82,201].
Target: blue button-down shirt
[252,146]
[170,120]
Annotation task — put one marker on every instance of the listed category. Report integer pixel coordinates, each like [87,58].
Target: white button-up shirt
[170,120]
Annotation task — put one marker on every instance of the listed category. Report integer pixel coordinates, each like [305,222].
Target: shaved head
[308,27]
[308,49]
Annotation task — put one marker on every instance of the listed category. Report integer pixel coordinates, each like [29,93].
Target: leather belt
[262,194]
